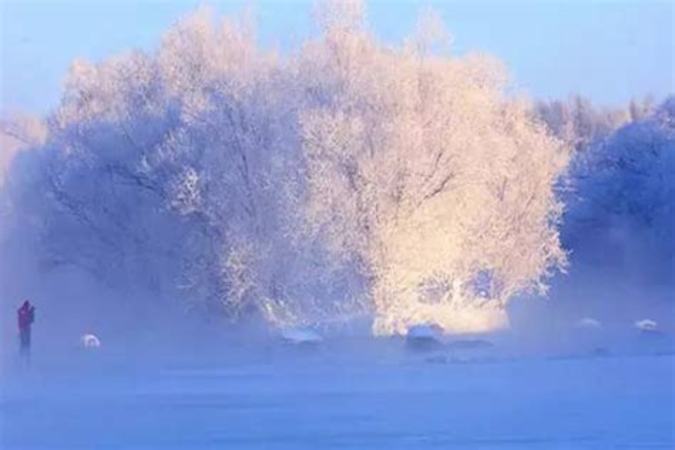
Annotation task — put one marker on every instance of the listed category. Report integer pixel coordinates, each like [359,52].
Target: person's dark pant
[24,340]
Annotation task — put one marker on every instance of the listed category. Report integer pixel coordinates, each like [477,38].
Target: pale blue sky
[609,51]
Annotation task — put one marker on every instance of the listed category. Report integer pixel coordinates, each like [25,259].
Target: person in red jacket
[25,316]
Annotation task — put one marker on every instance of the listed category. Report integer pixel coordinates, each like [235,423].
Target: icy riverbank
[307,400]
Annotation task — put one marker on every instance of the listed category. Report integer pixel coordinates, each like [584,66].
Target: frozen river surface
[303,401]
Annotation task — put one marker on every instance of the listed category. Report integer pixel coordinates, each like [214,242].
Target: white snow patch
[588,323]
[90,341]
[646,325]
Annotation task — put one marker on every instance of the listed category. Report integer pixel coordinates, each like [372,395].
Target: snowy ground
[320,398]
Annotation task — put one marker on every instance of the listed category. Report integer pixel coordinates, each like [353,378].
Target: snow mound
[90,341]
[299,336]
[588,323]
[646,325]
[424,336]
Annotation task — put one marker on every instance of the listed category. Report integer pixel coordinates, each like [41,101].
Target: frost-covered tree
[18,132]
[623,205]
[423,174]
[81,190]
[176,171]
[581,124]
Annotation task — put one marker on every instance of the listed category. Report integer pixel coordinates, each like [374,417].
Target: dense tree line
[620,197]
